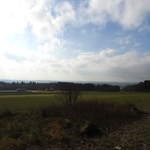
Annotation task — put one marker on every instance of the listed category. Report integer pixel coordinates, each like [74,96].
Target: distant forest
[60,86]
[140,87]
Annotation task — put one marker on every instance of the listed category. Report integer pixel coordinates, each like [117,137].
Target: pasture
[35,101]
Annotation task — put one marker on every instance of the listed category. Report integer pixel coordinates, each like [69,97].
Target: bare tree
[71,94]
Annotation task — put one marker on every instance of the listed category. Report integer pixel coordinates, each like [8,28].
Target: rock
[117,148]
[90,130]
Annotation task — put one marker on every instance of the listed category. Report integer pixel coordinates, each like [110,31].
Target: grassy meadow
[35,101]
[43,122]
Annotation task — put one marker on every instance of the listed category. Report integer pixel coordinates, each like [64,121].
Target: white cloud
[48,18]
[128,13]
[129,66]
[105,65]
[17,15]
[44,23]
[127,42]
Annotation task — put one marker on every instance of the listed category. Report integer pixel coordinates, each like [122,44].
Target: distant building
[20,90]
[51,89]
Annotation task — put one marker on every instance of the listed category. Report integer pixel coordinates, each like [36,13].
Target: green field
[35,101]
[26,102]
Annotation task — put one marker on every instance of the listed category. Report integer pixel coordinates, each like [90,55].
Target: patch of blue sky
[144,38]
[95,38]
[139,40]
[92,37]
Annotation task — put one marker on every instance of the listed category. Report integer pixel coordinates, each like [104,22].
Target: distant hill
[121,84]
[57,86]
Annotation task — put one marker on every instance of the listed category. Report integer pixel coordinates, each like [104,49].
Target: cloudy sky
[81,40]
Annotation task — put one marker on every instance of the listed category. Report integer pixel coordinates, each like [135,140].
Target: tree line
[62,86]
[140,87]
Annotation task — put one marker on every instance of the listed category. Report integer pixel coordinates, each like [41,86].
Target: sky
[75,40]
